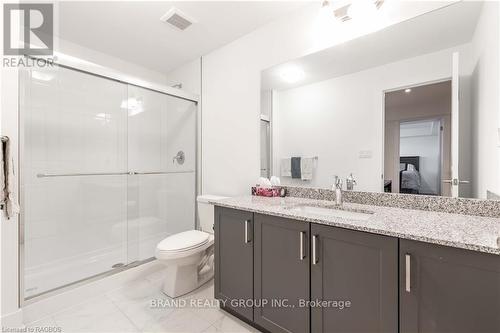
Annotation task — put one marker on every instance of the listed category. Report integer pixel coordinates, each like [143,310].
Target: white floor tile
[45,322]
[98,315]
[141,306]
[179,321]
[230,324]
[211,315]
[142,302]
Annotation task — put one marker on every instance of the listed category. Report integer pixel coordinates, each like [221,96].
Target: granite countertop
[455,230]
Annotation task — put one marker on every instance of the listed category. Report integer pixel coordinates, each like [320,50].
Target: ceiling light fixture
[407,90]
[292,74]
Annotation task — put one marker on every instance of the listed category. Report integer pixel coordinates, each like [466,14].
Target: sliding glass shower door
[99,182]
[161,187]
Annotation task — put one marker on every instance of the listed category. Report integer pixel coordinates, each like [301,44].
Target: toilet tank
[206,211]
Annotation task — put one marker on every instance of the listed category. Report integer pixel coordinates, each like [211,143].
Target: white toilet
[189,255]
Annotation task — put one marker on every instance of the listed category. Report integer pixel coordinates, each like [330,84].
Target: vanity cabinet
[234,260]
[445,289]
[357,272]
[281,274]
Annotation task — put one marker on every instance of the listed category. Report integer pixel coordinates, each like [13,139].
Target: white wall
[338,118]
[231,89]
[189,75]
[83,57]
[485,102]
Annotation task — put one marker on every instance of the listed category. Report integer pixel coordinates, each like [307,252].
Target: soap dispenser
[350,182]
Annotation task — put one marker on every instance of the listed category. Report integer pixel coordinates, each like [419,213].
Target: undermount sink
[333,212]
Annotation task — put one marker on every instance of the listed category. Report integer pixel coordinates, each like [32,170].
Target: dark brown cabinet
[234,260]
[281,274]
[355,276]
[444,289]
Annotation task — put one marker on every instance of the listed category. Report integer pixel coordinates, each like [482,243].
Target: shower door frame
[123,79]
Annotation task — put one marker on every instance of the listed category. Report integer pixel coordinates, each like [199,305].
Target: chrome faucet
[338,190]
[350,182]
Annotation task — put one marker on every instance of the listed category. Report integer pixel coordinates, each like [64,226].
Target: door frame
[384,92]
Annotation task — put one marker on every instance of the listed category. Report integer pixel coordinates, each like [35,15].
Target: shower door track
[169,91]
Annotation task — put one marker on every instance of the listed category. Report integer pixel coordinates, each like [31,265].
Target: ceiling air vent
[177,19]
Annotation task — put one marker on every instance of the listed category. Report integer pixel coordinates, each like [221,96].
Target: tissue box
[266,192]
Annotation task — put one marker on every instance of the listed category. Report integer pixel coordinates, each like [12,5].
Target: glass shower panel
[74,182]
[161,189]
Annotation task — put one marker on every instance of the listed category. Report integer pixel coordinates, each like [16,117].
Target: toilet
[189,255]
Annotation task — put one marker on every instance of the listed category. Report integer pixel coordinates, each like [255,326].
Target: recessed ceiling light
[292,74]
[407,90]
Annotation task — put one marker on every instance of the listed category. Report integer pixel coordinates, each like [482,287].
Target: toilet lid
[183,241]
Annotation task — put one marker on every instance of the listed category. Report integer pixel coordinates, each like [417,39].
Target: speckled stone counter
[456,230]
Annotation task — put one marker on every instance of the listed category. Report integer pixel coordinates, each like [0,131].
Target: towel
[286,167]
[7,178]
[306,168]
[296,167]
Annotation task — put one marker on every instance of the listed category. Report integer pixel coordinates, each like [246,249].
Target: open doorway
[418,139]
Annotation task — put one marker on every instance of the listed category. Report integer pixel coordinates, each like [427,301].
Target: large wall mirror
[413,108]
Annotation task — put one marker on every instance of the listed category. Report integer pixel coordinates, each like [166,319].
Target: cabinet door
[234,260]
[355,267]
[445,289]
[281,261]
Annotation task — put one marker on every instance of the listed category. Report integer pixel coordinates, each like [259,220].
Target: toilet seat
[183,241]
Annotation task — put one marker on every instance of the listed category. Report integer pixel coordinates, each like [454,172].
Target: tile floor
[131,309]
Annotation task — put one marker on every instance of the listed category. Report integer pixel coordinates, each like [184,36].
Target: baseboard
[12,320]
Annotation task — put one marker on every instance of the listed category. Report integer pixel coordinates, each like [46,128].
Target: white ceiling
[424,95]
[133,31]
[437,30]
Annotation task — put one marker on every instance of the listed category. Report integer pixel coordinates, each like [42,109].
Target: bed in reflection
[409,174]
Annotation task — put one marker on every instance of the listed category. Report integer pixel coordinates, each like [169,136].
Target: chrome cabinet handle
[301,245]
[314,256]
[408,273]
[247,223]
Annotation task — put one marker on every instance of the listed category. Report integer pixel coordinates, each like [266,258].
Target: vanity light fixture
[292,74]
[359,9]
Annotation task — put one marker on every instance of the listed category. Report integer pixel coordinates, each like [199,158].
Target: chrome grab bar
[49,175]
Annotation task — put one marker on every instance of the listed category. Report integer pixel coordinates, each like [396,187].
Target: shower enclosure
[108,169]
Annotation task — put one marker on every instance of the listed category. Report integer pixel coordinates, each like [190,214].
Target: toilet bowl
[189,255]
